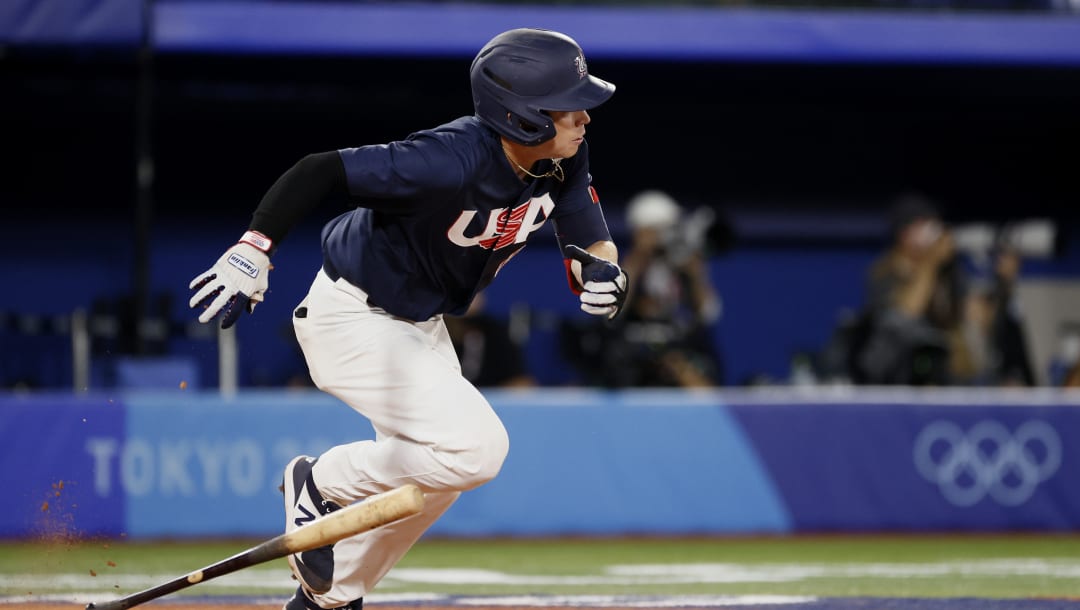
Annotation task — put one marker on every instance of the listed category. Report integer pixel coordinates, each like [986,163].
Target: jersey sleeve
[578,217]
[401,176]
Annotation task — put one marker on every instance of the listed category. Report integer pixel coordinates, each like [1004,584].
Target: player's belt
[332,273]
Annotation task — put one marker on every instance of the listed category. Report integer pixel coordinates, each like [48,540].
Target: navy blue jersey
[442,211]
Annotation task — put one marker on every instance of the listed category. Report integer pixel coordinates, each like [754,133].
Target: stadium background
[801,145]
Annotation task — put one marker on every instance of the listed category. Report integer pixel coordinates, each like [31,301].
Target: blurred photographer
[664,336]
[928,321]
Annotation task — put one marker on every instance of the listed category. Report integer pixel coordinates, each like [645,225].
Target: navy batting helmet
[521,73]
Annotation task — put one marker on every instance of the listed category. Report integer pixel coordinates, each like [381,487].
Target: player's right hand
[236,282]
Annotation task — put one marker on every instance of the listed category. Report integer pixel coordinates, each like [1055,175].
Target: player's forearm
[298,191]
[605,250]
[914,297]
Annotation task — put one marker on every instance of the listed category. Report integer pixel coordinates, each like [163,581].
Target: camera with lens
[681,234]
[1031,238]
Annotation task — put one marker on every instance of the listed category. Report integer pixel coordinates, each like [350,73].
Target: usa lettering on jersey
[505,226]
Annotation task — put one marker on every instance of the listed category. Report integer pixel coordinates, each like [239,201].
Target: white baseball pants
[432,427]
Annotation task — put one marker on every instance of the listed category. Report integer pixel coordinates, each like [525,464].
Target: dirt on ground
[242,606]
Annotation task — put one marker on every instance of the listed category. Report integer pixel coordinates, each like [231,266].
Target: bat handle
[120,604]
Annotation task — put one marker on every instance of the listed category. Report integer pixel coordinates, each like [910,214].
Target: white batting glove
[603,283]
[236,282]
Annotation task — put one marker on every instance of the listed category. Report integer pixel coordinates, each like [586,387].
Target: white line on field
[616,575]
[628,601]
[83,597]
[516,601]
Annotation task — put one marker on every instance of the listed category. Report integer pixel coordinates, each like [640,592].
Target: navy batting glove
[603,283]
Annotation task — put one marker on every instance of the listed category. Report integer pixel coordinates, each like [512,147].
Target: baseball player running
[438,216]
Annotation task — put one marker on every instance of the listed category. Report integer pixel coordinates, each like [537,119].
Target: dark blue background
[801,151]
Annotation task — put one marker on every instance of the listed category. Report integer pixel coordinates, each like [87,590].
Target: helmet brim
[589,93]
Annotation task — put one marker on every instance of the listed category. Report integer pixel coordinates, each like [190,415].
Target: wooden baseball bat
[376,511]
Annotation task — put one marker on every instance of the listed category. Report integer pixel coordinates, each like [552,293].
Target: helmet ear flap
[528,130]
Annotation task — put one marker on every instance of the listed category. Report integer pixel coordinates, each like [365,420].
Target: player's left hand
[236,282]
[604,283]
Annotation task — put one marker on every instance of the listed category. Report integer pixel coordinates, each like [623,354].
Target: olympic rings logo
[987,460]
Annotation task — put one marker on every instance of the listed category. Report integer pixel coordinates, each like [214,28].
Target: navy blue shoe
[303,504]
[301,601]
